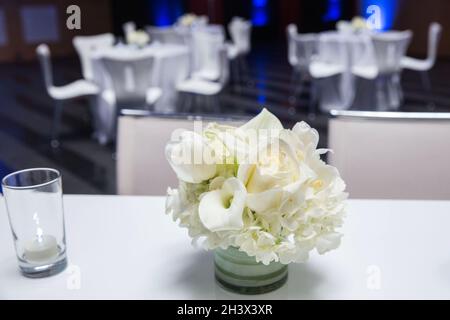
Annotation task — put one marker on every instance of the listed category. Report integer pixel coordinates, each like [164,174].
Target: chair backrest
[332,48]
[87,45]
[404,156]
[165,35]
[305,49]
[128,27]
[131,75]
[240,32]
[43,53]
[224,66]
[291,32]
[389,48]
[362,51]
[205,48]
[142,168]
[434,35]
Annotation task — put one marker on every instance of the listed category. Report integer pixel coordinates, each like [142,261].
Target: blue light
[259,3]
[165,12]
[388,11]
[333,11]
[260,16]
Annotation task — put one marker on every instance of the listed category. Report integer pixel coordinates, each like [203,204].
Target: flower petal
[186,158]
[221,210]
[264,120]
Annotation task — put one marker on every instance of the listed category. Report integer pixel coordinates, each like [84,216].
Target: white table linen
[171,67]
[127,248]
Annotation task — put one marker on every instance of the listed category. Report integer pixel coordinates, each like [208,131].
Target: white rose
[187,158]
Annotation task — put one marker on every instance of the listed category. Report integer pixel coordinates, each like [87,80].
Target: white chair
[207,89]
[389,48]
[165,35]
[142,168]
[132,77]
[424,66]
[301,50]
[128,27]
[79,88]
[86,46]
[240,32]
[328,70]
[205,46]
[392,155]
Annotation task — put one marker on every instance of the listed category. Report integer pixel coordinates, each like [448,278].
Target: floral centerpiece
[140,38]
[356,25]
[258,194]
[187,19]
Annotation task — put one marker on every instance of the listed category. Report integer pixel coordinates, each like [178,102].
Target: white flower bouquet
[187,19]
[357,24]
[259,188]
[139,38]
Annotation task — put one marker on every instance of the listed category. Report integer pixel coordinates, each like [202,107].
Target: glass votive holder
[34,205]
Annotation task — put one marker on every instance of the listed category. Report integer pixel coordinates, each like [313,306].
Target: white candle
[41,248]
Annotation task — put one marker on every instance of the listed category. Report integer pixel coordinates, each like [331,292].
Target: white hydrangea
[277,208]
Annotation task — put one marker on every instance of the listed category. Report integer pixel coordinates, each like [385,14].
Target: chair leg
[92,101]
[245,71]
[426,82]
[216,102]
[293,97]
[313,100]
[237,80]
[188,104]
[57,116]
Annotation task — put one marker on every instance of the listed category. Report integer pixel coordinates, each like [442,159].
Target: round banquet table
[172,65]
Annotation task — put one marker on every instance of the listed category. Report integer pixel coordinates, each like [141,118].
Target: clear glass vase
[240,273]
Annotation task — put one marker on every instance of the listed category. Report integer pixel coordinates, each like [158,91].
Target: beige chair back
[392,155]
[142,168]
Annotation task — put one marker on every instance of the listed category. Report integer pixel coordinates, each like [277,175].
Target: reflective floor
[26,115]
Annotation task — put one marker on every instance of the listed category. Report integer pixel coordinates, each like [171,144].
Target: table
[125,247]
[171,66]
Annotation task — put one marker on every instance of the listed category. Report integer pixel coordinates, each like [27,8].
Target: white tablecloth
[125,247]
[171,66]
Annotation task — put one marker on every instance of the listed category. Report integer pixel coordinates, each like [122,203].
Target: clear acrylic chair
[76,89]
[86,46]
[425,65]
[389,49]
[132,79]
[207,89]
[240,32]
[329,70]
[301,50]
[128,27]
[132,76]
[205,46]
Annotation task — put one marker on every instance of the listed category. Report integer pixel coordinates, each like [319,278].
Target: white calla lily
[186,158]
[221,210]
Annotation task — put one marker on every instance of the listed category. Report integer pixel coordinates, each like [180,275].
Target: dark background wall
[269,18]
